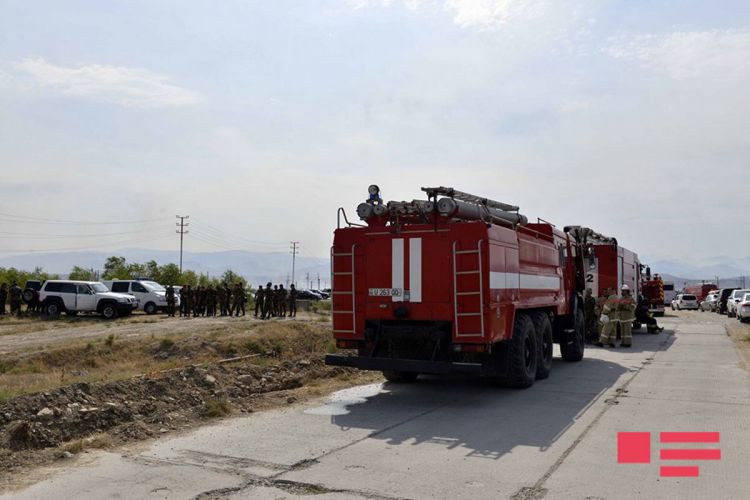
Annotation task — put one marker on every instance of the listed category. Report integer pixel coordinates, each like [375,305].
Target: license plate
[386,292]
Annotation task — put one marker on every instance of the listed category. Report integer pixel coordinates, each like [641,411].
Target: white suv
[72,297]
[685,301]
[151,295]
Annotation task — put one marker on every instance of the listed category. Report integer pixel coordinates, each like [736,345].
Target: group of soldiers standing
[603,314]
[15,293]
[276,301]
[271,301]
[207,300]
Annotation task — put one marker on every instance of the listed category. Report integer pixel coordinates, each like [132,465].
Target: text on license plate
[386,292]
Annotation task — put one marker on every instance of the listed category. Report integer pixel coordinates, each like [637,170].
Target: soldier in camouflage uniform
[282,301]
[170,296]
[3,298]
[292,301]
[259,297]
[15,293]
[210,301]
[267,301]
[239,299]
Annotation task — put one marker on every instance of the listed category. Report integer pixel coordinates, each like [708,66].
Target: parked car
[71,297]
[150,294]
[709,303]
[307,295]
[742,311]
[685,301]
[721,305]
[323,294]
[734,299]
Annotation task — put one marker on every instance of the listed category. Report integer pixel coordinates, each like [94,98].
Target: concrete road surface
[454,439]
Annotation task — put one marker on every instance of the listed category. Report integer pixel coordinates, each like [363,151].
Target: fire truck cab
[455,284]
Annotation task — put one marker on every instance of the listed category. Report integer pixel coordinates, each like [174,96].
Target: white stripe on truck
[397,266]
[415,269]
[512,281]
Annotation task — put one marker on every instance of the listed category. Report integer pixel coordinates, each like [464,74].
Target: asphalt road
[465,439]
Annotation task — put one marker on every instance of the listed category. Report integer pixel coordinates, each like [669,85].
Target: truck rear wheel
[522,353]
[397,376]
[572,349]
[545,345]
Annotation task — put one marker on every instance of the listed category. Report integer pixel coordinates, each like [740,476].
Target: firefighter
[626,312]
[292,301]
[642,315]
[609,320]
[259,296]
[590,316]
[170,296]
[15,299]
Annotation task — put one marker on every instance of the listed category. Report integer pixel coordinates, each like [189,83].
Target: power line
[220,233]
[73,236]
[89,247]
[182,233]
[26,219]
[295,249]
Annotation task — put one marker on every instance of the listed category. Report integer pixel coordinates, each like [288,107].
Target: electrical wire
[73,236]
[26,219]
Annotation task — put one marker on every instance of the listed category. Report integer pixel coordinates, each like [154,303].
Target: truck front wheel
[397,376]
[109,311]
[522,353]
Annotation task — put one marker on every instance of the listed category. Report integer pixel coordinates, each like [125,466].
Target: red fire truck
[700,291]
[653,291]
[456,283]
[609,266]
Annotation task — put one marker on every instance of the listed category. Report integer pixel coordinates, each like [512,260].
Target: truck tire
[545,344]
[572,349]
[109,311]
[149,308]
[522,353]
[29,295]
[397,377]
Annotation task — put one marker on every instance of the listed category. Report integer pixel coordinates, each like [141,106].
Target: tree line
[118,268]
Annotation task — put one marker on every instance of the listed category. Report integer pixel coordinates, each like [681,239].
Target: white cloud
[719,54]
[129,87]
[488,14]
[482,14]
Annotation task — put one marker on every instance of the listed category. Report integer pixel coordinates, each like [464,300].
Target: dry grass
[95,442]
[110,358]
[216,408]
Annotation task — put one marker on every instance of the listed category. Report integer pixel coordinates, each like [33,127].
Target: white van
[150,294]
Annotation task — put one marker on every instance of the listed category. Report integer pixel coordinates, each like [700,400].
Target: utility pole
[287,280]
[318,281]
[307,281]
[182,225]
[294,252]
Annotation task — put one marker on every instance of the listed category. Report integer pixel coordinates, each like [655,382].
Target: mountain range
[256,267]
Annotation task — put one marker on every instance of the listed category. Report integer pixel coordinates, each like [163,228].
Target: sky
[259,119]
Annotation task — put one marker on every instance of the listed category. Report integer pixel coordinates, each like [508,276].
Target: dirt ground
[66,388]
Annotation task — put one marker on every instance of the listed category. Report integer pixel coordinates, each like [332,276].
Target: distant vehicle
[307,295]
[701,291]
[685,301]
[734,299]
[150,294]
[721,305]
[742,310]
[72,297]
[323,294]
[710,302]
[669,293]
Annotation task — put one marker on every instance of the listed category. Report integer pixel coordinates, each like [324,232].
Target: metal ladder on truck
[458,257]
[336,291]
